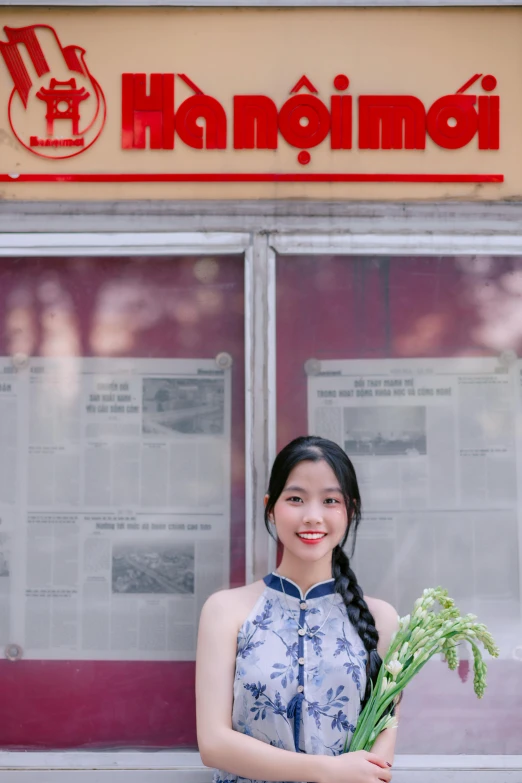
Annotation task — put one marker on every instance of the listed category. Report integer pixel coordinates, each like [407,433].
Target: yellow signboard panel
[226,103]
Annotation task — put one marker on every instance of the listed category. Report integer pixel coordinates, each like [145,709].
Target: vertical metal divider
[271,365]
[249,414]
[260,420]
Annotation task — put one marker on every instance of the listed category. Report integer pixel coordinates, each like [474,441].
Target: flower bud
[394,668]
[420,632]
[386,685]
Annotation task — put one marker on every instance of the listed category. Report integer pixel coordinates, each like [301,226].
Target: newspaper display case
[406,365]
[123,491]
[407,319]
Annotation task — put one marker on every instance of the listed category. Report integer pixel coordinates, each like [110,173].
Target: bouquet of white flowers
[420,635]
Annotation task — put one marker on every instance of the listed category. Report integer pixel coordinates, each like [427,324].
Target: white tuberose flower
[394,667]
[386,684]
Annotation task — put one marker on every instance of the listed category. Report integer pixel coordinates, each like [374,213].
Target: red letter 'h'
[154,110]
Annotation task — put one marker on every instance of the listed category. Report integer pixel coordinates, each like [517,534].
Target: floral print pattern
[292,691]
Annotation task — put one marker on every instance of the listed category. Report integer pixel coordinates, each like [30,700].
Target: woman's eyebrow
[294,488]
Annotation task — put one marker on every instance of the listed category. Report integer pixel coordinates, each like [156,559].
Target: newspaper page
[122,506]
[517,653]
[11,420]
[433,442]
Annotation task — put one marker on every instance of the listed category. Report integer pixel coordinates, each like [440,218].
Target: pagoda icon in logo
[56,108]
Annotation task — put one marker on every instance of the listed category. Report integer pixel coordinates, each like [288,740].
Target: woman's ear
[270,516]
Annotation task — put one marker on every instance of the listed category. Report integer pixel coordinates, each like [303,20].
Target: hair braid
[358,613]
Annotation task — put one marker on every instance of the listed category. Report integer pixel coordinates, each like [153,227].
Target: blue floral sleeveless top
[300,671]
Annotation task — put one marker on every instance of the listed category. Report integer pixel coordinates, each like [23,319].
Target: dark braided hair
[314,449]
[358,613]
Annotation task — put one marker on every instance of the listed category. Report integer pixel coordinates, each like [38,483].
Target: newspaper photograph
[385,431]
[122,506]
[181,405]
[159,567]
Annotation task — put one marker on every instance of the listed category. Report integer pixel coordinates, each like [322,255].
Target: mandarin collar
[276,582]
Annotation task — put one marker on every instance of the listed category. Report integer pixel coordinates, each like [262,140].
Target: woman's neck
[305,574]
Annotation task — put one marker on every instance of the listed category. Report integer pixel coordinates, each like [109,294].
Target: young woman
[284,664]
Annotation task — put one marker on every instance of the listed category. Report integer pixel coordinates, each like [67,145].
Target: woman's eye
[295,499]
[331,500]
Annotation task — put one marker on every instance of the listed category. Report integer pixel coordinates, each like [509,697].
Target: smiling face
[310,517]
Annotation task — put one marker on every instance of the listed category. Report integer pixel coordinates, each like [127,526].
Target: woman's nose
[313,515]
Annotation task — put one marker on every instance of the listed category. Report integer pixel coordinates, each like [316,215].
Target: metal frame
[168,767]
[397,244]
[433,768]
[271,380]
[259,451]
[131,244]
[335,218]
[260,406]
[337,228]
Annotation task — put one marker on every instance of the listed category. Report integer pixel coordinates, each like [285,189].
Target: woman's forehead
[313,474]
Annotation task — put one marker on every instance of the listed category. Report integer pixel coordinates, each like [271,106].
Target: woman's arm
[387,623]
[384,745]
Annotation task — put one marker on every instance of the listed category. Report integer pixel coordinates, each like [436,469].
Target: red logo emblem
[57,108]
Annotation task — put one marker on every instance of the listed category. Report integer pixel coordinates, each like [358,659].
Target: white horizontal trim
[101,760]
[163,243]
[398,244]
[171,760]
[131,244]
[457,762]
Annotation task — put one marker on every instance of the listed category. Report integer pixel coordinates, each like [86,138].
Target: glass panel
[121,490]
[411,365]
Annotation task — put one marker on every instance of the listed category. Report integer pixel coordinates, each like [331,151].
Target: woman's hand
[356,767]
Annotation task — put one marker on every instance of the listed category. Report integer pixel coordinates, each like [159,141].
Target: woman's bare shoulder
[236,603]
[380,606]
[384,614]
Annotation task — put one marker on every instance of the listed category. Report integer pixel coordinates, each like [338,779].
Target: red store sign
[57,110]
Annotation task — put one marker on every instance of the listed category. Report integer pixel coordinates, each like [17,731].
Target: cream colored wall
[423,52]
